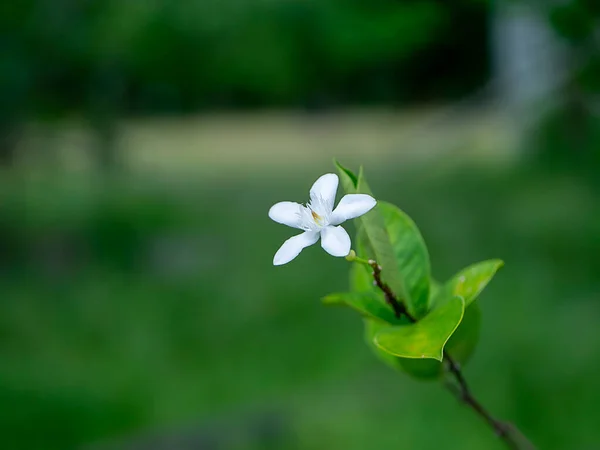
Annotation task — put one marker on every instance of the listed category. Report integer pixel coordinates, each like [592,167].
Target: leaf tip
[439,357]
[343,170]
[331,299]
[498,263]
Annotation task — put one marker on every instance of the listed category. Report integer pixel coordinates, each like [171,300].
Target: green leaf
[375,236]
[434,288]
[469,282]
[372,327]
[374,228]
[427,337]
[461,344]
[377,241]
[410,255]
[423,369]
[463,341]
[362,186]
[348,178]
[366,303]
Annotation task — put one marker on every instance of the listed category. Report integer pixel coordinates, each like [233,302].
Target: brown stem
[509,434]
[463,393]
[390,298]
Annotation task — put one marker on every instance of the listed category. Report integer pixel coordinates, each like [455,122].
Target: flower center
[318,219]
[315,215]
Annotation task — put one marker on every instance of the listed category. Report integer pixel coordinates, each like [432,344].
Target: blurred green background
[142,144]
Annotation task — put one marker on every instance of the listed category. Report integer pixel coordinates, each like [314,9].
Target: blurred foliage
[578,23]
[158,55]
[568,141]
[141,306]
[567,138]
[576,20]
[105,57]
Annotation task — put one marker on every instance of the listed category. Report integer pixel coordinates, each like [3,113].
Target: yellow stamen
[316,216]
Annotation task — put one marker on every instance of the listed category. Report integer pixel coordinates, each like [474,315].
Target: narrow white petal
[324,189]
[293,246]
[335,241]
[352,206]
[287,213]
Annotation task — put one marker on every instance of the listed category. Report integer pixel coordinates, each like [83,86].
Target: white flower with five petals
[319,219]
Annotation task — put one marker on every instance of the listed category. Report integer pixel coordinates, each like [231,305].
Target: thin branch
[463,393]
[390,298]
[509,434]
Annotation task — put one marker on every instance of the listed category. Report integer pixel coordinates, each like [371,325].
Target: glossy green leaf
[375,233]
[366,303]
[461,344]
[372,327]
[347,177]
[361,184]
[427,337]
[426,369]
[410,254]
[361,279]
[373,225]
[423,369]
[469,282]
[463,341]
[434,289]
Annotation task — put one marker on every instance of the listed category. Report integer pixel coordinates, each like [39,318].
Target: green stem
[353,258]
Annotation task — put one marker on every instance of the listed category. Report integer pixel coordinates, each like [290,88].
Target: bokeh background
[142,143]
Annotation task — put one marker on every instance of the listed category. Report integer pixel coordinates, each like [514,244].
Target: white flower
[319,219]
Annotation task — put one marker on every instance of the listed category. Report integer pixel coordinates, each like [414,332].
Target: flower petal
[335,241]
[324,189]
[352,206]
[287,213]
[293,246]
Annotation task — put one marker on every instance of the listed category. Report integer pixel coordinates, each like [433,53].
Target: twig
[390,298]
[509,434]
[463,393]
